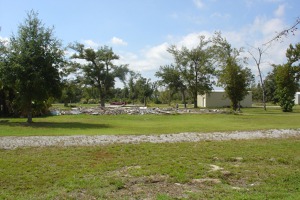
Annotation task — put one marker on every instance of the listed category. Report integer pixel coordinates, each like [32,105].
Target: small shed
[217,98]
[297,98]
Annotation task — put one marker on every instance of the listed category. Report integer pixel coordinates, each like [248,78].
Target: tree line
[34,72]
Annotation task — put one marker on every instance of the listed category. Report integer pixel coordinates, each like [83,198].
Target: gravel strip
[12,142]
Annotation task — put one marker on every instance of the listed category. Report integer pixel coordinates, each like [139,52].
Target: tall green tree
[132,90]
[196,67]
[144,89]
[286,87]
[35,57]
[287,78]
[293,58]
[99,70]
[171,78]
[236,82]
[235,79]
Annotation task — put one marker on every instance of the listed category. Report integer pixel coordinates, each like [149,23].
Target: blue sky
[140,31]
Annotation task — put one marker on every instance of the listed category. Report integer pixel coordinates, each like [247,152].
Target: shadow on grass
[67,125]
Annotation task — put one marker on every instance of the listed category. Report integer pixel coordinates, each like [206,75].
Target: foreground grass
[256,169]
[250,119]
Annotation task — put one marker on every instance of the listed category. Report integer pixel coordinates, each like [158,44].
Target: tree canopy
[34,58]
[287,78]
[195,66]
[98,70]
[235,79]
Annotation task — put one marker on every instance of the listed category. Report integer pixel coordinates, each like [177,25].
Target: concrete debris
[130,110]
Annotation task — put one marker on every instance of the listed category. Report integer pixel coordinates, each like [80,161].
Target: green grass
[254,169]
[250,119]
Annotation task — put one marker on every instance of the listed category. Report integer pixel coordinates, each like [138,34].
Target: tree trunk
[102,102]
[234,106]
[169,101]
[29,113]
[263,89]
[195,100]
[183,99]
[102,97]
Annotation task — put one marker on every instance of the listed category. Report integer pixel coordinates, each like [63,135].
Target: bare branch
[285,32]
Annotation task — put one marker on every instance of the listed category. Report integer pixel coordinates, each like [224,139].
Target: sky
[140,31]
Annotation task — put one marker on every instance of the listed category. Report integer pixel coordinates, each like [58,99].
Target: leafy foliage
[172,79]
[139,88]
[195,67]
[232,76]
[287,77]
[236,81]
[34,59]
[98,69]
[286,87]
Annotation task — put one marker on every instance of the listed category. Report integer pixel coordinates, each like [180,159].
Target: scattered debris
[130,110]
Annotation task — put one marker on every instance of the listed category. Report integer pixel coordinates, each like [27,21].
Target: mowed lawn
[244,169]
[249,119]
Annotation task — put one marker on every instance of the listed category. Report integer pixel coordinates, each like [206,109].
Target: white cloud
[279,12]
[272,26]
[255,34]
[199,3]
[4,40]
[118,41]
[149,59]
[192,40]
[91,44]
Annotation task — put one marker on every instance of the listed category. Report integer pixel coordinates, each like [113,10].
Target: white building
[297,98]
[217,98]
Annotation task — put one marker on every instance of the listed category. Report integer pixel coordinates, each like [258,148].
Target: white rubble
[12,142]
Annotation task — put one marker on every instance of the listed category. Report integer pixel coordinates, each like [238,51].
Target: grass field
[254,169]
[244,169]
[250,119]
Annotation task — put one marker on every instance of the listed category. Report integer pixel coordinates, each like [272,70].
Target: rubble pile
[130,110]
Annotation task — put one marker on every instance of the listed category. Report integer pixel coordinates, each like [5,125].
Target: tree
[286,87]
[236,82]
[144,89]
[98,69]
[195,67]
[293,58]
[172,79]
[35,57]
[261,50]
[232,76]
[133,92]
[258,60]
[71,92]
[287,78]
[270,86]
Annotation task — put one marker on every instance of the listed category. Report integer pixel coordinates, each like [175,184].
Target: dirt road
[82,140]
